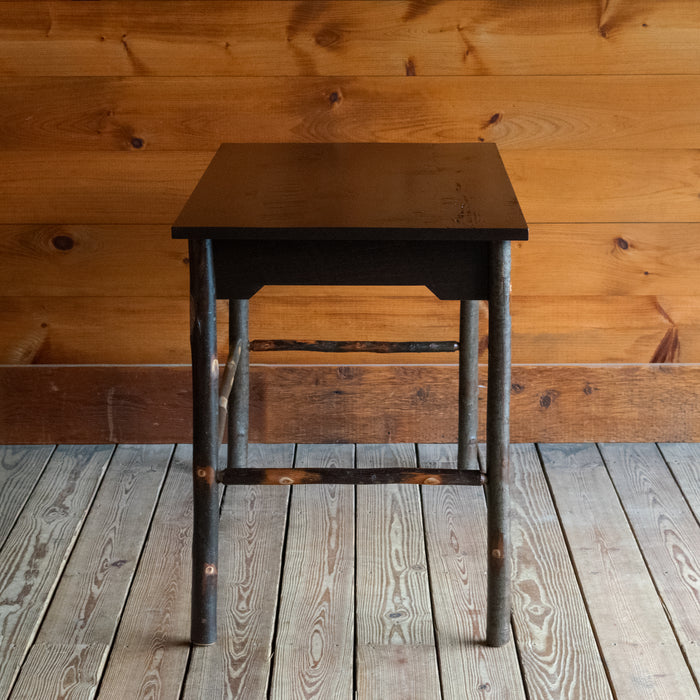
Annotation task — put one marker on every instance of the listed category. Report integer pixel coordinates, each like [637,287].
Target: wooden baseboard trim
[356,403]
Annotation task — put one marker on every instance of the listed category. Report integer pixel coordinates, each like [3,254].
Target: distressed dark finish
[426,477]
[352,262]
[390,192]
[413,214]
[353,346]
[373,214]
[205,380]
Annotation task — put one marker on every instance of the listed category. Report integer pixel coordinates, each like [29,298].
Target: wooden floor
[333,592]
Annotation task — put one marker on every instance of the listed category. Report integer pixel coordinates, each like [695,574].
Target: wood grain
[70,652]
[65,671]
[620,260]
[551,329]
[610,186]
[350,403]
[523,112]
[38,547]
[251,537]
[314,649]
[80,187]
[667,533]
[177,37]
[393,615]
[75,187]
[92,261]
[547,602]
[20,469]
[684,462]
[455,529]
[639,650]
[98,261]
[150,652]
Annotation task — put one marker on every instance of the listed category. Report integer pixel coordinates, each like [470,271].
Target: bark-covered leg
[497,440]
[205,395]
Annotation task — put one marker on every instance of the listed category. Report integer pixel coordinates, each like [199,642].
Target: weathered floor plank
[634,634]
[667,533]
[20,469]
[251,539]
[38,547]
[558,651]
[455,528]
[69,654]
[684,461]
[314,650]
[393,616]
[150,652]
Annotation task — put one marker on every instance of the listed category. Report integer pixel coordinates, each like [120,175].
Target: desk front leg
[205,382]
[498,446]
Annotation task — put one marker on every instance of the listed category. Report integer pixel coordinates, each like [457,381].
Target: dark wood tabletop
[354,191]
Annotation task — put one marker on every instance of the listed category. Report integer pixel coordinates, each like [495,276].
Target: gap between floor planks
[381,590]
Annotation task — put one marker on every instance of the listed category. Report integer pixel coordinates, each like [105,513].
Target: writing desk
[439,215]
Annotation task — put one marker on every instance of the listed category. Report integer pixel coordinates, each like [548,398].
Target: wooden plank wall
[110,111]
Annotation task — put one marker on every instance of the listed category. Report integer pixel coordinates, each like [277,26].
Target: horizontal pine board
[603,186]
[553,186]
[555,403]
[523,112]
[340,38]
[99,261]
[91,260]
[546,329]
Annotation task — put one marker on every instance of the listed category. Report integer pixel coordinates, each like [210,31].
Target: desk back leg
[240,394]
[468,384]
[498,447]
[205,397]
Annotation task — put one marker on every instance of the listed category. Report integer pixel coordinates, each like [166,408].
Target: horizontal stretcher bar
[281,477]
[353,346]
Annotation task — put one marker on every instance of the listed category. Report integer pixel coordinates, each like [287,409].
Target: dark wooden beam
[320,403]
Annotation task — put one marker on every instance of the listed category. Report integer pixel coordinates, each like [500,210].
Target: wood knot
[493,119]
[62,243]
[328,37]
[335,98]
[548,398]
[285,480]
[210,570]
[432,480]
